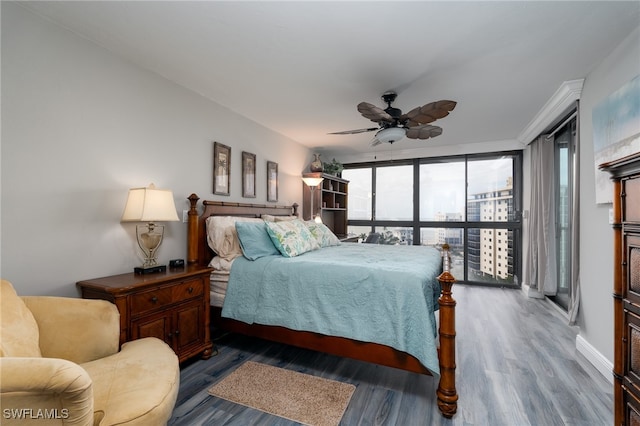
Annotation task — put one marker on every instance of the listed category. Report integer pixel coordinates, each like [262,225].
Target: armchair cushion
[138,385]
[79,330]
[18,327]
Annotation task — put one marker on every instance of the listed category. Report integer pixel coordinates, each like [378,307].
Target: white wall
[80,127]
[596,236]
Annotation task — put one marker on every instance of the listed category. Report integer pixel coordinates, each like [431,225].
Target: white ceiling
[300,68]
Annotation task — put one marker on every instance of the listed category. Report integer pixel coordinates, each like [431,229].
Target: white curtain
[541,262]
[575,232]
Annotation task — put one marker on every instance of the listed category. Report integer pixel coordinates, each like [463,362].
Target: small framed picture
[272,181]
[248,175]
[221,168]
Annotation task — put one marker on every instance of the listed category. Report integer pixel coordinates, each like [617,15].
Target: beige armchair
[60,365]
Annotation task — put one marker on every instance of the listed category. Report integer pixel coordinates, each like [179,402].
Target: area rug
[289,394]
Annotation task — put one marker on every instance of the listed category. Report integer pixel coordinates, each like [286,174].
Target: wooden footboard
[198,252]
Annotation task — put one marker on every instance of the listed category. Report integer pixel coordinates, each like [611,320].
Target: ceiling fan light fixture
[391,134]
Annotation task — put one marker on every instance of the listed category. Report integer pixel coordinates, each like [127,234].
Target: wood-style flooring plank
[516,365]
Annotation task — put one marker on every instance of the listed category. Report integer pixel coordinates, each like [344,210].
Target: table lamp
[149,205]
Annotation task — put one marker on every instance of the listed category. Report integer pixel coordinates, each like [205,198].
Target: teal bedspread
[372,293]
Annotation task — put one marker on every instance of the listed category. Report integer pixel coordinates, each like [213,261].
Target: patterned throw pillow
[291,237]
[322,233]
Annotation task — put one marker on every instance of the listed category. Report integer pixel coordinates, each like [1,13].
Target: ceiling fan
[394,125]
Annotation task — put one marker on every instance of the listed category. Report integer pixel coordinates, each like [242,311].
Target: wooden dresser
[172,306]
[625,174]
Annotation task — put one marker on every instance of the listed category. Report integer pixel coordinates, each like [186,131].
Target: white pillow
[222,236]
[272,218]
[220,264]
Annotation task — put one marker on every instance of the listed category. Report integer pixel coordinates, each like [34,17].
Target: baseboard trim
[531,292]
[599,361]
[559,310]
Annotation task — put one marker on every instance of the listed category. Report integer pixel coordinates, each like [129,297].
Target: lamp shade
[391,134]
[149,205]
[312,181]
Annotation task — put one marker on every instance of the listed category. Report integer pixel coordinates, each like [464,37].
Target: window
[394,193]
[442,191]
[360,192]
[471,202]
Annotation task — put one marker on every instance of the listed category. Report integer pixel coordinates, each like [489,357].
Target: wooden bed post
[447,394]
[192,230]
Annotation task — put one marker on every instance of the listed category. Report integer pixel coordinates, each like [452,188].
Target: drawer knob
[154,299]
[190,290]
[177,332]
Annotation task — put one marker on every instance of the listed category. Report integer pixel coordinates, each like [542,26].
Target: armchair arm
[78,330]
[33,389]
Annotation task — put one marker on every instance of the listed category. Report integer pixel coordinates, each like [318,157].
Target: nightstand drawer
[150,300]
[187,290]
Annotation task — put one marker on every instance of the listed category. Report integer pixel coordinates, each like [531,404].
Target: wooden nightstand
[172,306]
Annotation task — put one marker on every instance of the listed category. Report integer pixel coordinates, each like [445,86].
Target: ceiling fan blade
[353,132]
[375,141]
[428,113]
[374,113]
[425,131]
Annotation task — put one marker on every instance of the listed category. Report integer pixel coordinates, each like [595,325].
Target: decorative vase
[316,164]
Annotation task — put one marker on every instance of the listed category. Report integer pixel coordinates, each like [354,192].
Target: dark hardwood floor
[516,365]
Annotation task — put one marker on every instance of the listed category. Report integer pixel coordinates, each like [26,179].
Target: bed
[242,309]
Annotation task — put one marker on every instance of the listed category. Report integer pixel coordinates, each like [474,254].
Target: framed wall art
[616,132]
[221,168]
[248,175]
[272,181]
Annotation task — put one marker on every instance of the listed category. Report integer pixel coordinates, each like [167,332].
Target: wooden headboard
[198,251]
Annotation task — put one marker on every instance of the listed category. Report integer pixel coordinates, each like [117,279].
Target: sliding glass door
[564,141]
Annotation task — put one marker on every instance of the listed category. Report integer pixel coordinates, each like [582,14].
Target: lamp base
[150,269]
